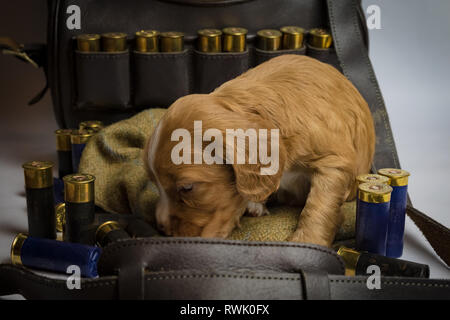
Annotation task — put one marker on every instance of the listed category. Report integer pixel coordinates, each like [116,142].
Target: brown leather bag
[200,268]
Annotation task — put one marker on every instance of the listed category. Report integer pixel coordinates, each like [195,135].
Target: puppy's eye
[185,187]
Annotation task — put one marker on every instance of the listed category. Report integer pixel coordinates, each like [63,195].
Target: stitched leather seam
[401,283]
[217,56]
[168,56]
[121,56]
[210,276]
[243,58]
[371,76]
[55,283]
[141,243]
[377,89]
[319,50]
[126,244]
[336,43]
[278,53]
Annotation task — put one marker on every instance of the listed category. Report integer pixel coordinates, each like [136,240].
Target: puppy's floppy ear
[256,182]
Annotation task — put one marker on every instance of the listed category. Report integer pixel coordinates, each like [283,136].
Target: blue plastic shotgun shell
[53,255]
[396,228]
[373,206]
[372,178]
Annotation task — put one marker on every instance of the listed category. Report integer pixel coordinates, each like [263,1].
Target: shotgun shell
[320,38]
[109,232]
[209,40]
[54,255]
[396,228]
[269,39]
[350,258]
[60,211]
[78,140]
[64,150]
[373,178]
[147,41]
[40,199]
[171,41]
[88,42]
[356,263]
[372,217]
[234,39]
[93,125]
[292,37]
[114,41]
[138,228]
[79,197]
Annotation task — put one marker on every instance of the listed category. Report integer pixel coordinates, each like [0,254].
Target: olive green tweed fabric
[115,157]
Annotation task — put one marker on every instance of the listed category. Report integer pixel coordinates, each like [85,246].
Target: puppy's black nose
[160,227]
[163,229]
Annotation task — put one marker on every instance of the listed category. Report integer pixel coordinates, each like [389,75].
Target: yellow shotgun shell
[104,229]
[398,177]
[320,38]
[234,39]
[16,248]
[94,125]
[374,192]
[60,211]
[81,136]
[88,42]
[350,258]
[147,41]
[292,37]
[372,177]
[209,40]
[171,41]
[269,39]
[38,174]
[79,188]
[63,139]
[114,41]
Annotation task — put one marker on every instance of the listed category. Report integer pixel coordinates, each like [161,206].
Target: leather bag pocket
[325,55]
[102,80]
[213,69]
[261,56]
[160,78]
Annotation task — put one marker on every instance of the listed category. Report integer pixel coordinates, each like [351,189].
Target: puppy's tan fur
[326,139]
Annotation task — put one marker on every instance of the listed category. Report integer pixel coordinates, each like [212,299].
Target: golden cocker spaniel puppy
[292,127]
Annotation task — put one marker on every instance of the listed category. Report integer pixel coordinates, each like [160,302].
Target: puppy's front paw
[300,236]
[255,209]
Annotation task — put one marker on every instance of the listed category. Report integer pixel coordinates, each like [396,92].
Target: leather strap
[356,66]
[437,235]
[34,54]
[227,285]
[177,253]
[316,285]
